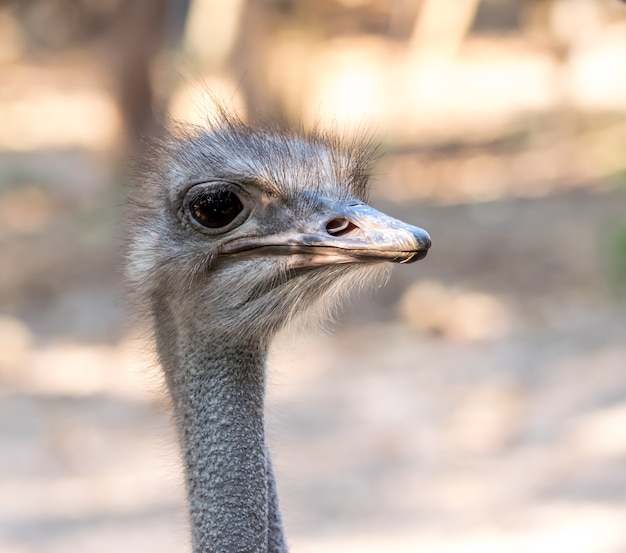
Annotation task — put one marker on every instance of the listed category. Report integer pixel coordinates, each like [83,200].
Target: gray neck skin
[217,390]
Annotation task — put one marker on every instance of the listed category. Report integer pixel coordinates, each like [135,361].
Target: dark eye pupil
[216,209]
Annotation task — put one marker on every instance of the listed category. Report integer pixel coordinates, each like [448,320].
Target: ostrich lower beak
[351,232]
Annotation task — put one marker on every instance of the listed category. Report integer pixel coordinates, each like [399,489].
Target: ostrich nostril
[340,226]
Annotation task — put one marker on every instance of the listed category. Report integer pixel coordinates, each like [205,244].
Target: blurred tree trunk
[249,62]
[137,39]
[442,25]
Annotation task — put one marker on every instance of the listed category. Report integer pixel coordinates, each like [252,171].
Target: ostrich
[234,232]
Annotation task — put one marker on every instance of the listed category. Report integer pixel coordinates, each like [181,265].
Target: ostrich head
[241,229]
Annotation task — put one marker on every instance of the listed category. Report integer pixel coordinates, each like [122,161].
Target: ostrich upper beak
[346,232]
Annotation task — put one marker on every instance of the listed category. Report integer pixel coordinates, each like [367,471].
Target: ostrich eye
[215,209]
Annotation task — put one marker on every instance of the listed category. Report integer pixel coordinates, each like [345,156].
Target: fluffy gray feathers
[215,309]
[168,258]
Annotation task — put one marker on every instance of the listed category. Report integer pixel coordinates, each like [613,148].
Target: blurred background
[475,403]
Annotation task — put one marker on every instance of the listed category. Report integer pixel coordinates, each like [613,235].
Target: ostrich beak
[357,232]
[347,232]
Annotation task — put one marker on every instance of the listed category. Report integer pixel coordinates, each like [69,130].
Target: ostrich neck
[217,389]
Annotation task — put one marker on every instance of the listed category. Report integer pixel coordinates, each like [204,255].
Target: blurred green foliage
[617,258]
[617,241]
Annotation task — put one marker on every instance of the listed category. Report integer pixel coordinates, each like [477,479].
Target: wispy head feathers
[167,260]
